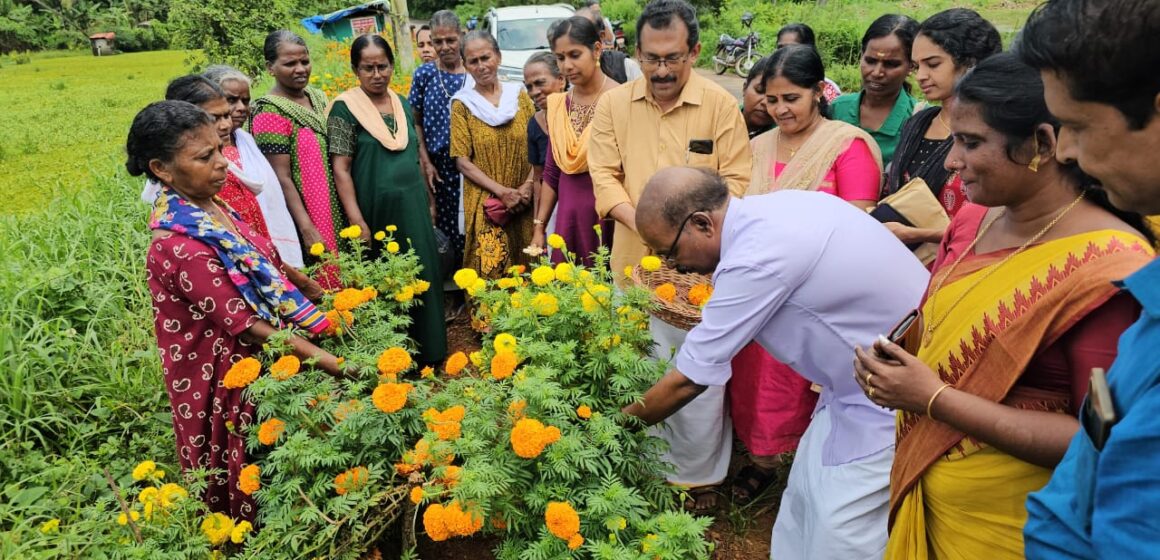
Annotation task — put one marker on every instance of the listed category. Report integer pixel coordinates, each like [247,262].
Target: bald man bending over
[807,276]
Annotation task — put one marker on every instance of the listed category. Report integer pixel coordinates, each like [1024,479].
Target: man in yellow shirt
[670,117]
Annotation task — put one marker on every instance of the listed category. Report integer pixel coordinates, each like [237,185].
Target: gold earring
[1034,165]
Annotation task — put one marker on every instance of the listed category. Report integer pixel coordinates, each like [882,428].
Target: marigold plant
[394,361]
[455,363]
[562,520]
[217,528]
[250,480]
[242,373]
[285,368]
[351,480]
[390,397]
[503,364]
[270,431]
[529,437]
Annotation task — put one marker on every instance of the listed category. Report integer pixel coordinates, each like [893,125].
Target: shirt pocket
[707,161]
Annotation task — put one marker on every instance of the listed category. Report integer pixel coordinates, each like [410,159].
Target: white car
[522,31]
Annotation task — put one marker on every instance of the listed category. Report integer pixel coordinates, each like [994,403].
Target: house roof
[314,24]
[109,35]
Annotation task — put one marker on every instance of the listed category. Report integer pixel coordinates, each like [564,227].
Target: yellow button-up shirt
[632,139]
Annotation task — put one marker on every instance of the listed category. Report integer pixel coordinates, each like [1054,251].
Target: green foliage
[227,31]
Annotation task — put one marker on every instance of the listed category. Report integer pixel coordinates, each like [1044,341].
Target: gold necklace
[929,334]
[943,121]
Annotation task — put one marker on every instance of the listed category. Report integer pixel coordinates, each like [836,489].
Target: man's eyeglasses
[670,256]
[652,62]
[370,69]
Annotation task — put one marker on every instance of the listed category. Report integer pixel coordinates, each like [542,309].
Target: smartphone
[903,334]
[1098,414]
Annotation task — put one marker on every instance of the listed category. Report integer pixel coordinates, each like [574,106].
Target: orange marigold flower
[249,480]
[345,409]
[584,411]
[457,521]
[390,397]
[529,437]
[562,520]
[516,409]
[455,363]
[339,322]
[699,295]
[434,524]
[351,298]
[427,372]
[351,480]
[445,424]
[575,541]
[417,495]
[242,373]
[666,291]
[451,476]
[270,431]
[504,364]
[394,361]
[405,469]
[285,368]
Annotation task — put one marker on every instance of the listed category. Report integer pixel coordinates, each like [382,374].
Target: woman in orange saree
[1020,308]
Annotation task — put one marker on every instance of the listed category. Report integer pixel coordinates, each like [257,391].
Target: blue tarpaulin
[314,24]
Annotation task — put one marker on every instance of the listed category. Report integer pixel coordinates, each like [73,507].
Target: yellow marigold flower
[404,295]
[420,286]
[393,247]
[543,275]
[555,241]
[392,228]
[650,540]
[380,235]
[240,531]
[455,363]
[351,232]
[476,359]
[217,528]
[666,292]
[169,494]
[504,364]
[504,341]
[589,303]
[477,287]
[507,283]
[285,368]
[628,271]
[517,300]
[433,523]
[575,541]
[545,304]
[390,397]
[699,295]
[417,495]
[650,263]
[249,480]
[393,361]
[50,526]
[159,474]
[563,272]
[339,320]
[584,411]
[621,523]
[270,431]
[143,470]
[123,519]
[562,520]
[529,437]
[465,277]
[317,249]
[242,373]
[148,495]
[351,480]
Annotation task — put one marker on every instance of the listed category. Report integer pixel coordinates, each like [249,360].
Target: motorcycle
[618,36]
[739,54]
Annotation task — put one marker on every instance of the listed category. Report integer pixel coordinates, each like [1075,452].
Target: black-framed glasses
[371,69]
[670,256]
[673,61]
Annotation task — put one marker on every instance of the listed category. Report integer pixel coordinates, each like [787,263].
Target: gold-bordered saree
[952,496]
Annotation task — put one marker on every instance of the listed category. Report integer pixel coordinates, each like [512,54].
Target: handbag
[914,205]
[496,211]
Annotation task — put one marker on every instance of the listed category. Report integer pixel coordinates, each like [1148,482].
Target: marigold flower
[393,247]
[217,528]
[460,522]
[240,531]
[628,271]
[351,480]
[699,295]
[650,263]
[575,541]
[517,269]
[407,293]
[345,409]
[380,235]
[476,358]
[433,523]
[170,493]
[250,480]
[455,363]
[543,275]
[350,298]
[339,320]
[317,249]
[666,292]
[649,541]
[504,364]
[143,470]
[242,373]
[392,228]
[507,283]
[516,409]
[562,520]
[390,397]
[451,476]
[417,495]
[465,277]
[50,526]
[477,287]
[584,411]
[517,300]
[555,241]
[124,519]
[352,232]
[504,341]
[545,304]
[393,361]
[529,437]
[427,372]
[445,424]
[589,303]
[270,431]
[420,286]
[285,368]
[563,272]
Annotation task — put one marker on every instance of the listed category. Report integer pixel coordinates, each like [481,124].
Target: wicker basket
[679,312]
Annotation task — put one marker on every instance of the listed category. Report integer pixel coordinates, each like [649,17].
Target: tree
[228,31]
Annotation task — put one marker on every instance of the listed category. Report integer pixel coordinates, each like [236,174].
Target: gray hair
[222,73]
[444,18]
[547,59]
[477,35]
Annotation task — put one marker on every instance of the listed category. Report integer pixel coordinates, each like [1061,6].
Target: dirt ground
[738,533]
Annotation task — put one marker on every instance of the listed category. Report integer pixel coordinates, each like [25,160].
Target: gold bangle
[537,222]
[930,403]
